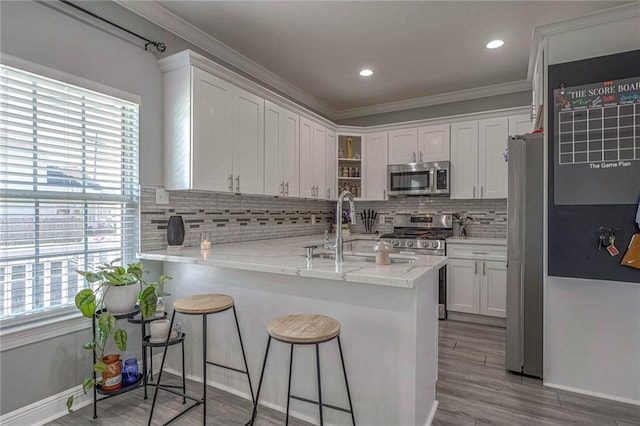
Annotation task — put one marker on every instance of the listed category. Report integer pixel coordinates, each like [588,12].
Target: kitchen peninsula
[388,316]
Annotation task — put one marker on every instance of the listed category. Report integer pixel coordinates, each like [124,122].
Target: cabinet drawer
[478,252]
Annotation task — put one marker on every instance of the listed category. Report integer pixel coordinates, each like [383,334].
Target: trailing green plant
[89,303]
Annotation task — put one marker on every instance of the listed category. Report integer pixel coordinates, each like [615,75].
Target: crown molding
[593,19]
[442,98]
[160,16]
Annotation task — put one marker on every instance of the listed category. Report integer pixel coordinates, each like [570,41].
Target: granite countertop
[287,256]
[480,241]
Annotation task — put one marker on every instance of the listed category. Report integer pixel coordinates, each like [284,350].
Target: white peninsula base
[389,339]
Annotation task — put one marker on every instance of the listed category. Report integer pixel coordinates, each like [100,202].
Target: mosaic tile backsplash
[233,218]
[229,217]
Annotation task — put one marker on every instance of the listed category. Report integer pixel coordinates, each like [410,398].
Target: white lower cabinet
[477,282]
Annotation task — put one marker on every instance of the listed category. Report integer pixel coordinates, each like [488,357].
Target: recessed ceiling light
[366,73]
[494,44]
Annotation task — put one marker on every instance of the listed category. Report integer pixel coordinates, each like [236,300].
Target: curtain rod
[161,47]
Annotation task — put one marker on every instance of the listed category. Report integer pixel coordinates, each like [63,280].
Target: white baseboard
[432,414]
[589,393]
[48,409]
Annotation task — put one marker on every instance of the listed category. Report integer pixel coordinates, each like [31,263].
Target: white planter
[121,299]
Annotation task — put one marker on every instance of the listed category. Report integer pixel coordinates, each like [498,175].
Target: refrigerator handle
[476,269]
[484,268]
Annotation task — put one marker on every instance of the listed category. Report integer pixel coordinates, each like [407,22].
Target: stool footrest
[181,413]
[227,367]
[310,401]
[184,395]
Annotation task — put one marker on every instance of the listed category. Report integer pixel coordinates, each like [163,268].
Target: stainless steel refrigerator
[524,255]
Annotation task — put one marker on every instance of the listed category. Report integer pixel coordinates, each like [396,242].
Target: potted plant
[114,290]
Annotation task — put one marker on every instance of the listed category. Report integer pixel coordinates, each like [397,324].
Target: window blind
[69,188]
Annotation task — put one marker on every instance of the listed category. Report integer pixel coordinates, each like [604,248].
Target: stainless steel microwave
[418,179]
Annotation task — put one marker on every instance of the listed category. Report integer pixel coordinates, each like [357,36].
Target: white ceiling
[416,49]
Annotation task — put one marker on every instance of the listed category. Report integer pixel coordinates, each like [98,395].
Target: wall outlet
[162,196]
[381,218]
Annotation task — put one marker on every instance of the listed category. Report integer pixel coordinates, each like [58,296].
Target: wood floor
[473,390]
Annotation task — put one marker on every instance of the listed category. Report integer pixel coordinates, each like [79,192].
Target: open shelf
[146,341]
[137,319]
[122,389]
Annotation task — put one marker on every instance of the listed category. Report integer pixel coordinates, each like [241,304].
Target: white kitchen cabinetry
[320,161]
[403,146]
[419,145]
[374,164]
[433,143]
[520,124]
[312,159]
[478,164]
[214,134]
[248,142]
[477,279]
[331,153]
[281,157]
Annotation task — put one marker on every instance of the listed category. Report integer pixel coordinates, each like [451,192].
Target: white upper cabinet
[375,166]
[478,159]
[313,160]
[210,101]
[403,146]
[464,160]
[248,142]
[281,159]
[291,154]
[307,185]
[319,161]
[492,161]
[214,134]
[433,143]
[331,153]
[419,145]
[520,124]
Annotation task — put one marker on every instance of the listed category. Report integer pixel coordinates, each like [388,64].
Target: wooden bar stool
[305,329]
[202,304]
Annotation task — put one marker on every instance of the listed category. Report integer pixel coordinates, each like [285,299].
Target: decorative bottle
[175,231]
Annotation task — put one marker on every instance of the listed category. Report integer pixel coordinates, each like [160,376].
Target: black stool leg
[164,356]
[204,370]
[319,386]
[346,382]
[144,358]
[244,357]
[184,380]
[264,364]
[289,387]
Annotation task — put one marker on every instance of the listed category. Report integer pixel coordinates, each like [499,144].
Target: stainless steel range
[422,233]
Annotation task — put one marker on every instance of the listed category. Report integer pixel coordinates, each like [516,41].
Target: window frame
[38,326]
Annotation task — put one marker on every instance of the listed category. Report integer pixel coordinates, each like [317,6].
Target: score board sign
[597,143]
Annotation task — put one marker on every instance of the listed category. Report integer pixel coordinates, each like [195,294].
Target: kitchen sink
[363,257]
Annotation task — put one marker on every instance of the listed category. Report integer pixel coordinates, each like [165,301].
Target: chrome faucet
[352,216]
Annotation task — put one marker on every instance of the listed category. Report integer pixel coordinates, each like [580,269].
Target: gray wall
[443,110]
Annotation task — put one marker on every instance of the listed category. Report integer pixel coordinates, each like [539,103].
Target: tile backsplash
[490,216]
[233,218]
[229,217]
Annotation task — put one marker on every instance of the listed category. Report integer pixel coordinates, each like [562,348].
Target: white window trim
[28,329]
